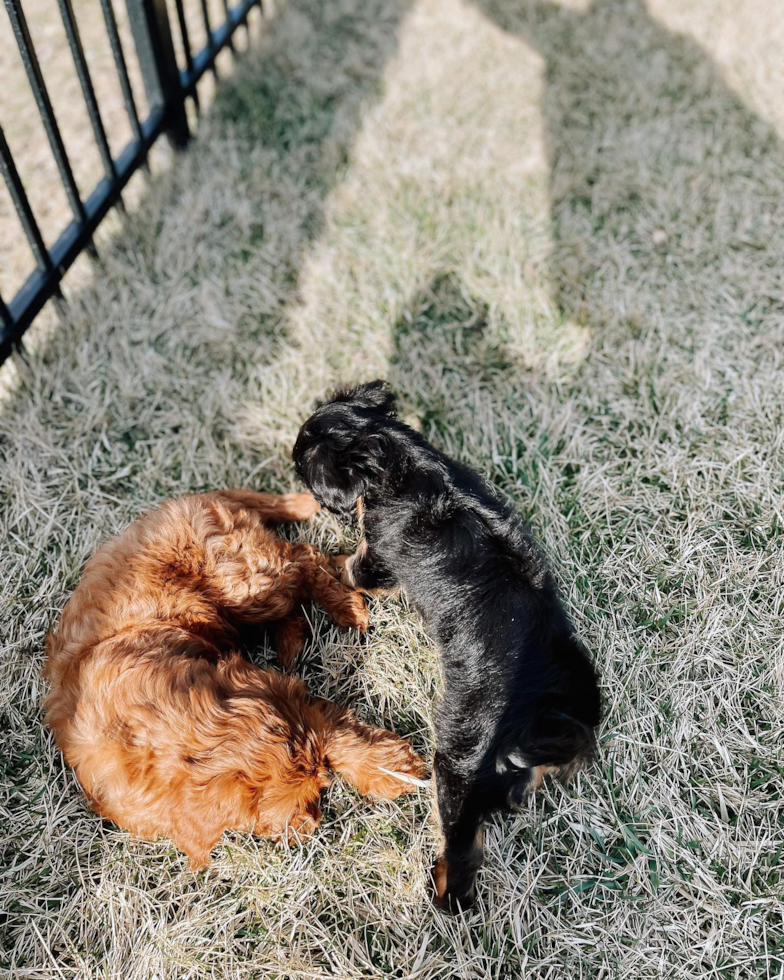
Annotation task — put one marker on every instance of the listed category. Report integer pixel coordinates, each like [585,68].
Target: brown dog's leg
[290,636]
[303,821]
[289,806]
[364,572]
[344,605]
[274,508]
[369,757]
[196,841]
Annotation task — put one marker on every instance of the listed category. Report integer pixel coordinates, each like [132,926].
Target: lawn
[558,230]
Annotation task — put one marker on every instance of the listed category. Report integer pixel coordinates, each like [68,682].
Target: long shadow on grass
[444,352]
[667,193]
[667,200]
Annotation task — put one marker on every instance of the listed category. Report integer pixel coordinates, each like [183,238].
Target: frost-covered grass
[557,230]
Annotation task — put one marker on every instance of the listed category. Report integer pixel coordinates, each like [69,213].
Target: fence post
[155,49]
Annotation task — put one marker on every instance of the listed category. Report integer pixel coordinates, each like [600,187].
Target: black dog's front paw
[452,892]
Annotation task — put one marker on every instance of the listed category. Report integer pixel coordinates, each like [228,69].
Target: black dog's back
[492,604]
[521,696]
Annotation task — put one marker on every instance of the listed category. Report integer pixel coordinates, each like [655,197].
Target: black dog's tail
[554,729]
[554,741]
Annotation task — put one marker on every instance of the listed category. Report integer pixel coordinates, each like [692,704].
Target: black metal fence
[166,86]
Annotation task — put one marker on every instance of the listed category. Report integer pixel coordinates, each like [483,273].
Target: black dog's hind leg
[461,808]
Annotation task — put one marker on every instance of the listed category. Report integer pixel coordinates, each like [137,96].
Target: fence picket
[167,89]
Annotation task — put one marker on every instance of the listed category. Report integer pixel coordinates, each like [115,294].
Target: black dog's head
[343,448]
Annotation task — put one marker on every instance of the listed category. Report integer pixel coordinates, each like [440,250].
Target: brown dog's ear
[375,395]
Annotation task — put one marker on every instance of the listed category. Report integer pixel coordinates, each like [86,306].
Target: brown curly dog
[171,732]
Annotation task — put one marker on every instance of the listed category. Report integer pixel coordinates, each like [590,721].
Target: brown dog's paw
[305,504]
[290,637]
[303,825]
[342,566]
[198,860]
[352,613]
[399,770]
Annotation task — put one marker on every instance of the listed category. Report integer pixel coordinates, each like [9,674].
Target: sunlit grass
[557,231]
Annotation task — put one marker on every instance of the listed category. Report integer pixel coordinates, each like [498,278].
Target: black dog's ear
[338,474]
[338,488]
[376,395]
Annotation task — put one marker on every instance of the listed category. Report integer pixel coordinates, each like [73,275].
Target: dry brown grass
[557,230]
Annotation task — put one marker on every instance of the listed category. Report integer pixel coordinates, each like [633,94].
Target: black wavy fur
[519,688]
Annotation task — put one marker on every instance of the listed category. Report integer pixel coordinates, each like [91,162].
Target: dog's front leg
[364,570]
[343,604]
[460,809]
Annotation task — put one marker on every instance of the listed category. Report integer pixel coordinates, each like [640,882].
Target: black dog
[521,697]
